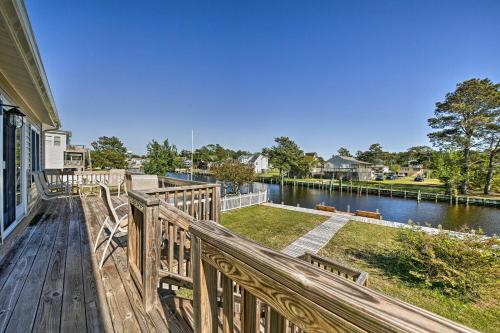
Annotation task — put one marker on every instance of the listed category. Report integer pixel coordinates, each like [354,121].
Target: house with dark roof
[259,162]
[346,167]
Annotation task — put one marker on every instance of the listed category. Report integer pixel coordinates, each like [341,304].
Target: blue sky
[325,73]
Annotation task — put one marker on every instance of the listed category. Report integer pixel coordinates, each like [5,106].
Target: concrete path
[315,239]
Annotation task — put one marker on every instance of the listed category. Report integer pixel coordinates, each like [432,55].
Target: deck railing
[337,268]
[159,247]
[241,286]
[75,178]
[280,293]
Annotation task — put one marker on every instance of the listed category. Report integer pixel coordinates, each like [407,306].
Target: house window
[57,140]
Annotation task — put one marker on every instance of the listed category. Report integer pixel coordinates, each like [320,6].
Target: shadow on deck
[50,281]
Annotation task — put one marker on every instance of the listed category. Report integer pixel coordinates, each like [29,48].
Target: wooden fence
[243,200]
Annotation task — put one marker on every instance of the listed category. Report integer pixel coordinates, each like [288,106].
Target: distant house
[259,161]
[61,155]
[412,169]
[136,162]
[380,169]
[345,167]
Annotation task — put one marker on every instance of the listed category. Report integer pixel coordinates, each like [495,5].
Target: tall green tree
[284,156]
[375,154]
[234,173]
[160,158]
[344,152]
[447,169]
[215,153]
[461,120]
[109,153]
[421,155]
[492,147]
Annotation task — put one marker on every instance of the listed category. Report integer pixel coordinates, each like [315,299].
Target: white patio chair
[112,222]
[116,179]
[46,194]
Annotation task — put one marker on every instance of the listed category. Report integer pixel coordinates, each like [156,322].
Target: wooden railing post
[216,197]
[204,291]
[144,245]
[249,314]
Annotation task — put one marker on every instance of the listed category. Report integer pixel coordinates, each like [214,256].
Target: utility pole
[192,152]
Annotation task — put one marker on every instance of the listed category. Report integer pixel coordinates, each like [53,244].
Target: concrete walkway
[315,239]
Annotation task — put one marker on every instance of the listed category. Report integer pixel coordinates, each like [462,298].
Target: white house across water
[259,161]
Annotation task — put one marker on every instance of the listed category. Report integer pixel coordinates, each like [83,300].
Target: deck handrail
[296,292]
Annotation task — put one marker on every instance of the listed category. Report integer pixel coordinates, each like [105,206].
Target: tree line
[465,137]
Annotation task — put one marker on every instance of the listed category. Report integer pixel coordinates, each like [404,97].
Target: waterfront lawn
[272,227]
[355,245]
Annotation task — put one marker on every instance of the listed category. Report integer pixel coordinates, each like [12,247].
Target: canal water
[451,217]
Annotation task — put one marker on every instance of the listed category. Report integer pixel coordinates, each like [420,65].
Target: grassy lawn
[355,244]
[272,227]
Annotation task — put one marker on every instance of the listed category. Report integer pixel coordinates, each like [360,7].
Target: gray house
[344,167]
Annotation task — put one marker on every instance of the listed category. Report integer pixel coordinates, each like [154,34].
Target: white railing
[243,200]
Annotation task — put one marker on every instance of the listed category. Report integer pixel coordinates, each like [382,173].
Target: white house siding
[261,164]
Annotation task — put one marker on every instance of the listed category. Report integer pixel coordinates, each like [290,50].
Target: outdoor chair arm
[121,205]
[123,227]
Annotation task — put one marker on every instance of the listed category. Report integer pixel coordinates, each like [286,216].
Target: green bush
[457,267]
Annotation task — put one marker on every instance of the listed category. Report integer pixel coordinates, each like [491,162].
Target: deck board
[24,312]
[50,282]
[15,281]
[73,307]
[48,316]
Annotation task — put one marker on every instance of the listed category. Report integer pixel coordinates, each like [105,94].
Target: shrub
[457,267]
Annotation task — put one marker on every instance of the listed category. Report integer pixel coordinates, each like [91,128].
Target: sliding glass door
[14,199]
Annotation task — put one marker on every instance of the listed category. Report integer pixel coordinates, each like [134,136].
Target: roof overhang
[22,75]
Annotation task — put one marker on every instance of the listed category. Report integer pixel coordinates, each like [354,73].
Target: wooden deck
[49,280]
